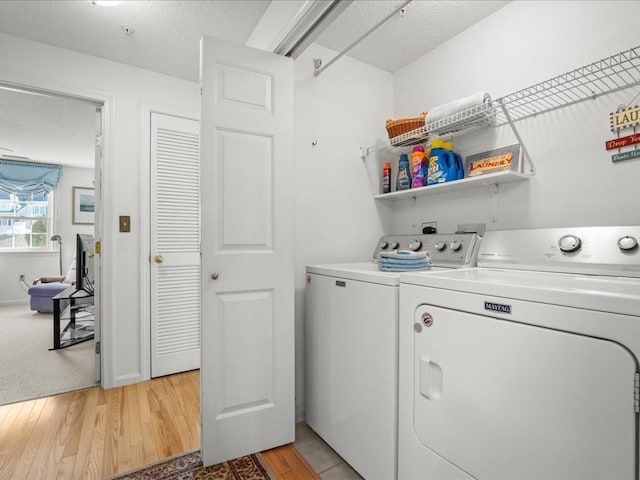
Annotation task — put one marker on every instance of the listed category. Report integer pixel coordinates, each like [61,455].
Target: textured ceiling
[167,33]
[166,40]
[47,128]
[403,38]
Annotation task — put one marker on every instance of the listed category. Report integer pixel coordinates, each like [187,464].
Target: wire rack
[605,76]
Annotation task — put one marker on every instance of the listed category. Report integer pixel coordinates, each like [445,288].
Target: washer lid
[364,272]
[592,292]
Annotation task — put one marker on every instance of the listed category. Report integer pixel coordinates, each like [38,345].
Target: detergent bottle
[418,160]
[457,159]
[403,180]
[386,177]
[441,164]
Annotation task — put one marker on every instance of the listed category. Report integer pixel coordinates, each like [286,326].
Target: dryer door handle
[430,378]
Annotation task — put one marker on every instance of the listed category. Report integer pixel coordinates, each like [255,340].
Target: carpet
[28,369]
[189,466]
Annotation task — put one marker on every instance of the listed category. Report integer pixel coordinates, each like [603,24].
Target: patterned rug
[189,466]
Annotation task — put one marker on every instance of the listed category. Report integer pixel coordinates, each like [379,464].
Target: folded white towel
[462,111]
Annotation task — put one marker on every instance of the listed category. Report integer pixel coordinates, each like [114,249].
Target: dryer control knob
[441,245]
[569,243]
[455,245]
[383,245]
[415,245]
[627,243]
[394,245]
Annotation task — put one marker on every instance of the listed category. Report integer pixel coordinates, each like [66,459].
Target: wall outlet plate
[430,227]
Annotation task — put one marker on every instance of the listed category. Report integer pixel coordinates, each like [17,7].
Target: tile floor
[327,463]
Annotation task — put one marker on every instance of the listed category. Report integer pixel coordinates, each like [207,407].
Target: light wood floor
[94,433]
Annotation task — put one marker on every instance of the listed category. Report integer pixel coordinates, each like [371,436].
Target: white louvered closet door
[175,245]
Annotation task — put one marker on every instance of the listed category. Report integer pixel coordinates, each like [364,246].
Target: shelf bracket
[493,193]
[527,157]
[413,211]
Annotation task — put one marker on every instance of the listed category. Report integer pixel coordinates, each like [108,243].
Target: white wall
[63,226]
[336,218]
[129,93]
[522,44]
[31,265]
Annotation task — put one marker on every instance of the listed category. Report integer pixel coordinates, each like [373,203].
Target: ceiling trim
[318,68]
[317,16]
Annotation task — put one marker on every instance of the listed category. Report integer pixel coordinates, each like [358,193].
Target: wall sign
[622,141]
[624,118]
[618,157]
[619,120]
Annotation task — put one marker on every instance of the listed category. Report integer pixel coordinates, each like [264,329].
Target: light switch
[125,223]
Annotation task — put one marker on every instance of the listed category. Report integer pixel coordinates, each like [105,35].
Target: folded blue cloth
[403,260]
[384,268]
[397,263]
[402,255]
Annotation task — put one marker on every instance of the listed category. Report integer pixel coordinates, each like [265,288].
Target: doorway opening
[38,240]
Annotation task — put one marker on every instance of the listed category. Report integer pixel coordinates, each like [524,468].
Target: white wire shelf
[605,76]
[487,179]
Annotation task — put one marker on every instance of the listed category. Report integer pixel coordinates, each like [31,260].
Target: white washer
[525,367]
[351,334]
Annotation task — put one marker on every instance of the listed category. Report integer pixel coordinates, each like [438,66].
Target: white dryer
[351,350]
[525,367]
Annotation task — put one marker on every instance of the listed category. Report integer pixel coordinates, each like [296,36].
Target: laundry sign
[618,157]
[624,118]
[622,141]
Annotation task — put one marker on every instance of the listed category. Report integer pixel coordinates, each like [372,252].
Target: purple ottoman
[42,293]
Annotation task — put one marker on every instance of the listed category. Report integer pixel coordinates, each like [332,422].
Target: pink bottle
[417,167]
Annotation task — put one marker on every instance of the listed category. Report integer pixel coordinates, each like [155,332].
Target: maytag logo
[497,307]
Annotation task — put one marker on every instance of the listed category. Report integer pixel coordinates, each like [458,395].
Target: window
[25,220]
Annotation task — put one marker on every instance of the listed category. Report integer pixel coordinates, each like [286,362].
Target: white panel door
[247,371]
[175,244]
[503,400]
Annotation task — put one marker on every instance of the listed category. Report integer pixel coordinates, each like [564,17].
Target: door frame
[103,174]
[145,230]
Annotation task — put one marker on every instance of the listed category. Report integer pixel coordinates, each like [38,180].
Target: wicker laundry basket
[404,125]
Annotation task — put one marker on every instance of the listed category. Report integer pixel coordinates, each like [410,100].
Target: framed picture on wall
[84,202]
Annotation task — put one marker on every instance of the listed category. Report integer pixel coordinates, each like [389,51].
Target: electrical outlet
[430,225]
[21,277]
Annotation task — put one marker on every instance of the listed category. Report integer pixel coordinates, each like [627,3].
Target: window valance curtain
[23,178]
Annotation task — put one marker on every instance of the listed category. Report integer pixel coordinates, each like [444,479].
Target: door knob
[158,258]
[214,276]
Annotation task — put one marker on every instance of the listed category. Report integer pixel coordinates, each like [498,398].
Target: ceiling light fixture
[106,3]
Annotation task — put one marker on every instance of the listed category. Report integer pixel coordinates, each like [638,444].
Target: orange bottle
[386,177]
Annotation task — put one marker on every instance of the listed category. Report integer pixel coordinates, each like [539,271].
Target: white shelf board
[505,176]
